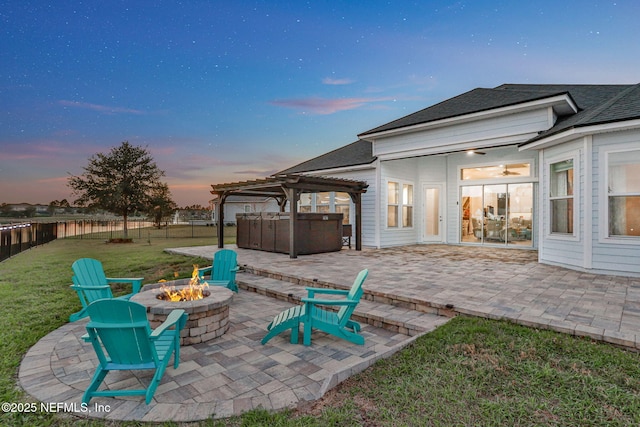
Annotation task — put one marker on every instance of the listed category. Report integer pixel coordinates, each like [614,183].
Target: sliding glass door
[497,214]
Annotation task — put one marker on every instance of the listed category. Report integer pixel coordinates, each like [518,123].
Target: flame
[194,291]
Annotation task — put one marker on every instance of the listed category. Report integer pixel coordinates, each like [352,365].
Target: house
[240,204]
[549,167]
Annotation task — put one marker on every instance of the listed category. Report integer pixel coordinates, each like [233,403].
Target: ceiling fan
[507,172]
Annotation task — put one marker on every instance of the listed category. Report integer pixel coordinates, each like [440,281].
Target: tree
[161,205]
[121,181]
[30,212]
[6,209]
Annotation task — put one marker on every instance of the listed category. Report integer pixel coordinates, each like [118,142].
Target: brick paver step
[391,317]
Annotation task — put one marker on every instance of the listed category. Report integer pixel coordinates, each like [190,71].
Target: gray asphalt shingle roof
[354,154]
[597,104]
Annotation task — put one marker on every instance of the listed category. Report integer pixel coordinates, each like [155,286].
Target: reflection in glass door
[497,214]
[495,211]
[520,213]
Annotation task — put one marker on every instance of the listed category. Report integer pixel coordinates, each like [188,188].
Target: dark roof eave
[551,132]
[334,167]
[384,127]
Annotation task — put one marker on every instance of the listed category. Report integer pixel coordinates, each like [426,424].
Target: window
[399,205]
[323,202]
[561,196]
[342,204]
[623,188]
[503,171]
[304,203]
[326,202]
[407,205]
[393,201]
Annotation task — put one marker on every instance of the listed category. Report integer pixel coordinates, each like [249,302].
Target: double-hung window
[623,193]
[561,197]
[399,204]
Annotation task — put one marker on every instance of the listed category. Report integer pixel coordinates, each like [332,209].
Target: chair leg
[97,379]
[295,333]
[355,326]
[155,381]
[176,352]
[306,339]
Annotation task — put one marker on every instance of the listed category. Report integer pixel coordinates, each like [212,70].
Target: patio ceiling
[287,188]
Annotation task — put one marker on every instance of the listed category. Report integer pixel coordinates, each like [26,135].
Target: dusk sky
[226,91]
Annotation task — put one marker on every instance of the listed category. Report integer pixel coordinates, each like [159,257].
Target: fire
[194,291]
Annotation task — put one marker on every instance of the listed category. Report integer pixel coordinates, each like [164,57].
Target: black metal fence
[136,229]
[20,237]
[16,238]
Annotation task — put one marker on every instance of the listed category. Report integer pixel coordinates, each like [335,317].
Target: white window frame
[575,235]
[603,209]
[400,205]
[314,204]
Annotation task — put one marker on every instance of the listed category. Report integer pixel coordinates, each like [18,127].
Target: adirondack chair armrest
[316,301]
[203,270]
[124,279]
[312,291]
[136,282]
[172,319]
[89,288]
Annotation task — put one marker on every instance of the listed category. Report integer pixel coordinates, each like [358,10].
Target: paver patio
[235,373]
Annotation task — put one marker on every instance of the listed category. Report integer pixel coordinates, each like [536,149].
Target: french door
[433,216]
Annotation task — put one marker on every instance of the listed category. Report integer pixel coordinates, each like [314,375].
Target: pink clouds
[41,149]
[330,81]
[256,172]
[324,105]
[100,108]
[53,180]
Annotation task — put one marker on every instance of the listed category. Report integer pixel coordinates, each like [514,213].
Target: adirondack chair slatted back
[224,264]
[354,295]
[88,272]
[123,330]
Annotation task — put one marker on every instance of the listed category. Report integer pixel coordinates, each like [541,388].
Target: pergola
[287,188]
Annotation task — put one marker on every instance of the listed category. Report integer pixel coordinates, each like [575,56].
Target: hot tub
[269,231]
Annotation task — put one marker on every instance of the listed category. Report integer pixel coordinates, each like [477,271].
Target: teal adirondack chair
[313,317]
[91,284]
[123,340]
[223,271]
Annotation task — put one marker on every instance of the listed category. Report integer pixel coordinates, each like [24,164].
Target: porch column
[292,196]
[357,201]
[220,209]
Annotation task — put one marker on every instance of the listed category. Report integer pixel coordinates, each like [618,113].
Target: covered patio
[286,190]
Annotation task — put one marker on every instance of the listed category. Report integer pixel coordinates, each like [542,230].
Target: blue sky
[225,91]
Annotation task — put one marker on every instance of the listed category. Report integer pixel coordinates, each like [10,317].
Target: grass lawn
[468,372]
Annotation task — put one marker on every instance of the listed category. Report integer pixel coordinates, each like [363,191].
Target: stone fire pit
[208,317]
